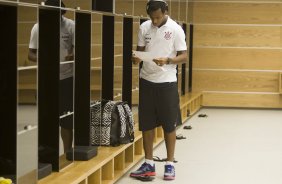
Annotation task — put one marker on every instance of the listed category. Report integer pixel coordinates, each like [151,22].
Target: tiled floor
[230,146]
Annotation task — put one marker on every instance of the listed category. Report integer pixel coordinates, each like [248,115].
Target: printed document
[144,56]
[148,57]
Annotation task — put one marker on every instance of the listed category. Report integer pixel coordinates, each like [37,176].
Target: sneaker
[145,170]
[169,173]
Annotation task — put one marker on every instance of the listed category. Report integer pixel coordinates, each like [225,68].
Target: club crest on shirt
[167,35]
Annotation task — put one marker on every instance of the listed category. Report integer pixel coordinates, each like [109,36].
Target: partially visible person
[66,70]
[158,94]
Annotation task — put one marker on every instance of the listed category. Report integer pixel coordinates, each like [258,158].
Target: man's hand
[161,61]
[135,60]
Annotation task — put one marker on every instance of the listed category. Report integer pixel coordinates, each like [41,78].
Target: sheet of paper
[148,57]
[144,56]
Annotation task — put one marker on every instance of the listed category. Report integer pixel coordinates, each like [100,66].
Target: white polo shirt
[66,43]
[161,42]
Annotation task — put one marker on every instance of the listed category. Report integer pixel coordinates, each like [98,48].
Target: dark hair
[154,5]
[56,3]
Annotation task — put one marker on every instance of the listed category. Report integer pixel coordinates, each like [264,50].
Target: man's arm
[137,60]
[32,55]
[180,58]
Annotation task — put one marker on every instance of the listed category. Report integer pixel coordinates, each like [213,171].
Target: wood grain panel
[140,8]
[135,98]
[237,36]
[209,80]
[190,12]
[238,58]
[118,78]
[237,13]
[27,96]
[242,100]
[96,94]
[22,55]
[174,9]
[95,77]
[73,3]
[124,6]
[188,35]
[96,51]
[96,34]
[135,31]
[96,17]
[118,30]
[29,1]
[24,30]
[70,13]
[135,77]
[118,49]
[83,4]
[182,11]
[27,78]
[118,61]
[96,62]
[26,13]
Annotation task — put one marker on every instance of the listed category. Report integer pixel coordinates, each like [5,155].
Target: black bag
[111,123]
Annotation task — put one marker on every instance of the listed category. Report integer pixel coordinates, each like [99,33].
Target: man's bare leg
[170,139]
[148,139]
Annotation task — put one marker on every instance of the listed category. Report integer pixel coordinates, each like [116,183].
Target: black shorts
[158,105]
[66,102]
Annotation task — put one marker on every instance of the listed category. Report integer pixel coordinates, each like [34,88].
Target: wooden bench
[112,163]
[108,166]
[189,104]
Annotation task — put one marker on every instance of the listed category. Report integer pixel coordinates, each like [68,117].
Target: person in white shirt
[164,39]
[66,69]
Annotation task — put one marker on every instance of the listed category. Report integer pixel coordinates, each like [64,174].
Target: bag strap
[107,112]
[122,117]
[130,118]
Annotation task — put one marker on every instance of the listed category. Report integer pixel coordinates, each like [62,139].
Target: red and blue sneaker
[169,173]
[145,170]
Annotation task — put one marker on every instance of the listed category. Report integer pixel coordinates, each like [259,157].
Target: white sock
[151,162]
[169,163]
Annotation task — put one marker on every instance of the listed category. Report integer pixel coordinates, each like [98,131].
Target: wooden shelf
[108,166]
[112,163]
[190,104]
[27,87]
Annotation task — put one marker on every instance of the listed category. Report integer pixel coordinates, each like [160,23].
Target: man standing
[158,98]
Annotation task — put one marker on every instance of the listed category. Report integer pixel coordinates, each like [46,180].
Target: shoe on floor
[145,170]
[169,173]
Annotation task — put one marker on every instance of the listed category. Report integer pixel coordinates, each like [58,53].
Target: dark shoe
[169,173]
[145,178]
[157,159]
[180,136]
[145,170]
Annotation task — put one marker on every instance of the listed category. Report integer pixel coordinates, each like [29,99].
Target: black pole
[127,64]
[190,57]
